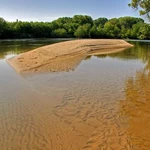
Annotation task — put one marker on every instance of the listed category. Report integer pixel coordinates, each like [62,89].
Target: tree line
[78,26]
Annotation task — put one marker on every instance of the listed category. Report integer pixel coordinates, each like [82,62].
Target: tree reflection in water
[136,108]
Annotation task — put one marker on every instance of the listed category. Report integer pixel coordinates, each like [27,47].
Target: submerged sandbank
[55,57]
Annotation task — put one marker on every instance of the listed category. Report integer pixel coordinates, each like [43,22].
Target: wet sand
[41,59]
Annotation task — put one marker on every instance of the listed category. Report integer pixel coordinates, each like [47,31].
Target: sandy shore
[65,55]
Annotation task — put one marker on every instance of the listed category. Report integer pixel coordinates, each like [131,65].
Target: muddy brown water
[101,103]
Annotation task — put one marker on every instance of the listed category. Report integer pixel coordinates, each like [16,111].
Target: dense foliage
[143,6]
[79,26]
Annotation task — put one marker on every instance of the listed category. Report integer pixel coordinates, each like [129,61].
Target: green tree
[112,28]
[83,31]
[143,5]
[94,32]
[61,21]
[100,21]
[144,31]
[82,19]
[71,28]
[135,31]
[102,32]
[60,33]
[3,27]
[80,26]
[128,22]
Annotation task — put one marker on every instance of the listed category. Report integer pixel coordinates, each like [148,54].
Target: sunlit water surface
[102,104]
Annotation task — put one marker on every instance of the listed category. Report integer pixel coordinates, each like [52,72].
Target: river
[102,102]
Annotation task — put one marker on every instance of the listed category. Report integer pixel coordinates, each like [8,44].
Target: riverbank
[38,60]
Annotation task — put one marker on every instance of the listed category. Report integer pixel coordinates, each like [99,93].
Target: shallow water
[102,103]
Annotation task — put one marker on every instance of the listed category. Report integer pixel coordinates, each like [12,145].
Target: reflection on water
[103,104]
[13,47]
[136,107]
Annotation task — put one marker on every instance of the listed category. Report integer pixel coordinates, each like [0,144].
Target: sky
[48,10]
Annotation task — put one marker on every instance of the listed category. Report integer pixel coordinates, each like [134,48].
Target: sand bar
[50,57]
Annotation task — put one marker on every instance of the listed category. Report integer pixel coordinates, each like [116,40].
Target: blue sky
[48,10]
